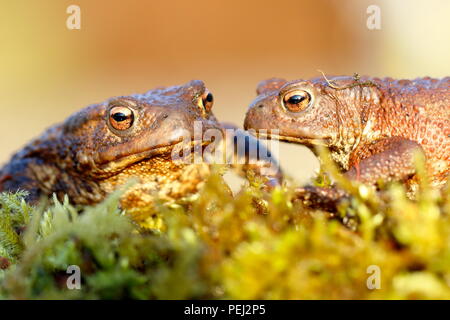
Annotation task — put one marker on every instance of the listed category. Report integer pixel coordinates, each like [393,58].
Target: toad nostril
[260,106]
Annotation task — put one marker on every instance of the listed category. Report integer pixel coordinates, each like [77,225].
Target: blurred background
[48,71]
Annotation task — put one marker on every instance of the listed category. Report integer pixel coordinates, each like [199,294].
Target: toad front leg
[388,159]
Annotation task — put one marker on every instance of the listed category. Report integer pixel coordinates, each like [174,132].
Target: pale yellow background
[123,47]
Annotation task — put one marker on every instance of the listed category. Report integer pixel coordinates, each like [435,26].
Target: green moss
[255,245]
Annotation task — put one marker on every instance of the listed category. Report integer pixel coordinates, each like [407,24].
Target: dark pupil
[296,99]
[209,97]
[119,116]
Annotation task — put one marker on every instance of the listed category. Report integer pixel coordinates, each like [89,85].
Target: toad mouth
[304,141]
[112,167]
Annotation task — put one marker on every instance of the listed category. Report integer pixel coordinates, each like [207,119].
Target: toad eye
[207,100]
[297,100]
[121,118]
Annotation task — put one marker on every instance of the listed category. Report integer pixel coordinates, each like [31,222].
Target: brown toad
[101,147]
[371,126]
